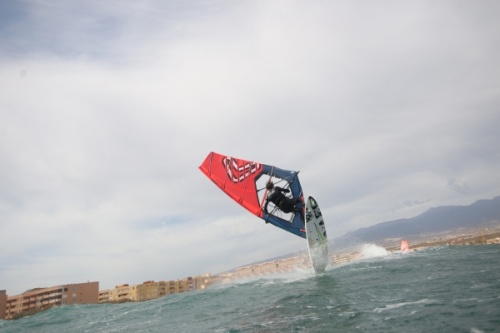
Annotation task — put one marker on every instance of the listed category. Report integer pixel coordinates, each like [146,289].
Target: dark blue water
[446,289]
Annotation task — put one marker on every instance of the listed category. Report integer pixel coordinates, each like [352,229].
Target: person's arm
[265,206]
[281,189]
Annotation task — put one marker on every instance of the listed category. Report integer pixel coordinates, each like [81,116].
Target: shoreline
[302,262]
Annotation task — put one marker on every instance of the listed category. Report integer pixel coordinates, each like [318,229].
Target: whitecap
[399,305]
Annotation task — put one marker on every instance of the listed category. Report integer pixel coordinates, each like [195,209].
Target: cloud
[458,186]
[109,108]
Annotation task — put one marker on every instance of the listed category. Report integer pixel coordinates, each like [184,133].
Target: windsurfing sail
[245,182]
[404,245]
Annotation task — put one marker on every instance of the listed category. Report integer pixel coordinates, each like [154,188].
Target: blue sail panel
[291,222]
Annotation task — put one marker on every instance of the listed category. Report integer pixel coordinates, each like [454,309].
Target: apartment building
[40,299]
[121,293]
[202,281]
[3,303]
[148,290]
[140,292]
[152,289]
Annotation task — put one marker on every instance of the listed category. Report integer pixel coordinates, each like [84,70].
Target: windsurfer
[279,199]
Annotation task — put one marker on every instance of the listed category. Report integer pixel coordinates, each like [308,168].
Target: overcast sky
[107,109]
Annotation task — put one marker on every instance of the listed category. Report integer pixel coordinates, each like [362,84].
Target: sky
[108,108]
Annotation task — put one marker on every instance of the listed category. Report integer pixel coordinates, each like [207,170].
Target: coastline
[302,262]
[288,265]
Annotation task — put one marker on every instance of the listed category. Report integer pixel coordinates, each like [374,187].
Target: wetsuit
[280,200]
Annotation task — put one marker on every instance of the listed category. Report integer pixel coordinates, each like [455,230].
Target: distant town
[40,299]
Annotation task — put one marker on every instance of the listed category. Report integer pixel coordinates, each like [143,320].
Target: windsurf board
[317,241]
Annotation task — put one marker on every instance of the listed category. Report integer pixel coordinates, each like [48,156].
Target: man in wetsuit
[279,199]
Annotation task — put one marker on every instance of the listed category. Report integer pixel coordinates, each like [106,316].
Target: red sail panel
[236,177]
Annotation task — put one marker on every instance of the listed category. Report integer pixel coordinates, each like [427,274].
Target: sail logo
[238,173]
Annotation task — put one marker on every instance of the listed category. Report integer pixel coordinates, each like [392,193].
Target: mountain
[480,214]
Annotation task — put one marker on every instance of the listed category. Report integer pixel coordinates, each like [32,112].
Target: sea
[439,289]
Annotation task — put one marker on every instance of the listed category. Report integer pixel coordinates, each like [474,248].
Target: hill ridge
[481,213]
